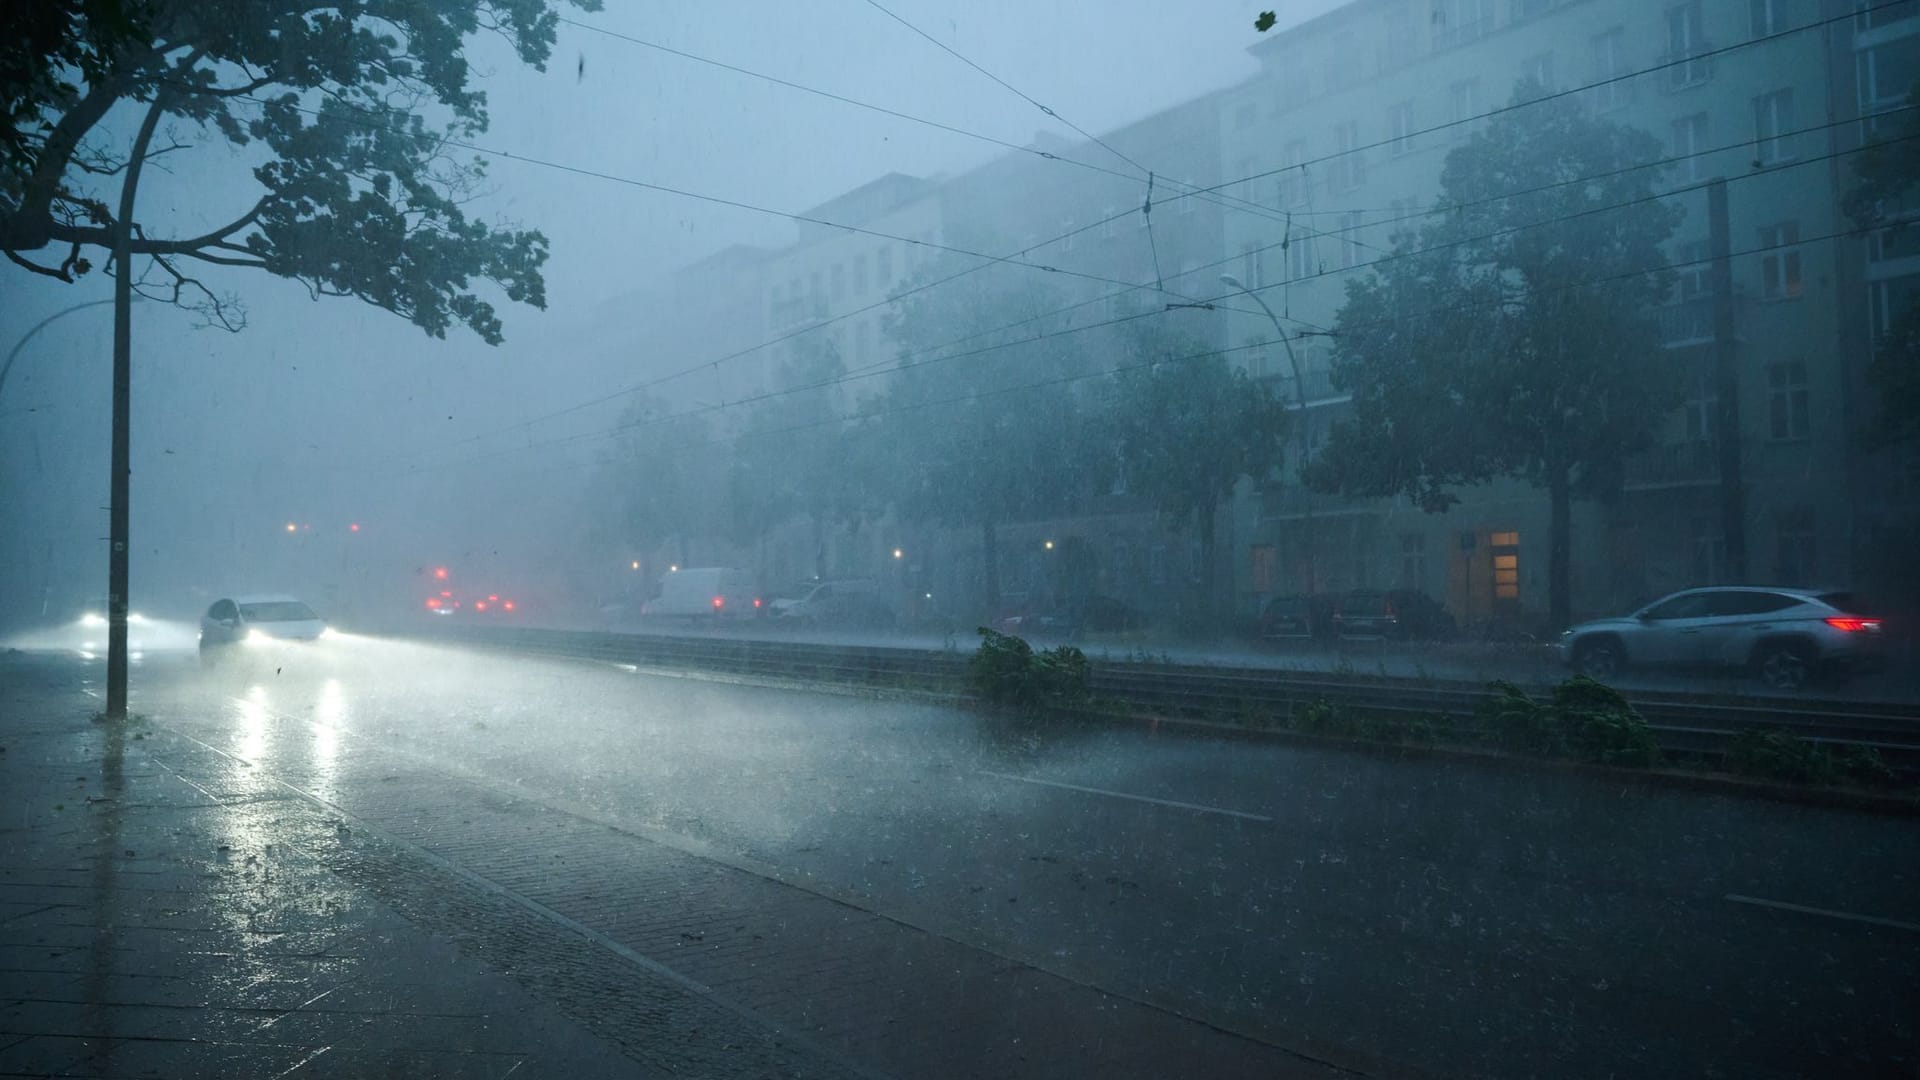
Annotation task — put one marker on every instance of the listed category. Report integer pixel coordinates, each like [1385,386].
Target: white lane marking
[1136,798]
[1802,908]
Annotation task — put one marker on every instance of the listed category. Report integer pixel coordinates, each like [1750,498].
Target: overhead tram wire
[1067,379]
[899,363]
[1113,217]
[1499,110]
[1223,201]
[1016,91]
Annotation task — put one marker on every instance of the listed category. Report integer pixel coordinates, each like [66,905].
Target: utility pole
[118,538]
[1300,427]
[1726,380]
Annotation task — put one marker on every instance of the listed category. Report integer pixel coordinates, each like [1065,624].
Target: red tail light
[719,602]
[493,598]
[508,605]
[756,601]
[1851,625]
[433,602]
[479,605]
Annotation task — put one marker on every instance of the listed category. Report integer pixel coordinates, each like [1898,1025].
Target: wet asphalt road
[1377,913]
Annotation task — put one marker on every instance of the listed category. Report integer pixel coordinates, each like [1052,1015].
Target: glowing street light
[636,564]
[673,569]
[897,553]
[1048,545]
[291,527]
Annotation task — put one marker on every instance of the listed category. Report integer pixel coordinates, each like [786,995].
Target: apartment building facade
[1343,134]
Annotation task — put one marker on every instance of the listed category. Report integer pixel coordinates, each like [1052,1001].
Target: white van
[695,591]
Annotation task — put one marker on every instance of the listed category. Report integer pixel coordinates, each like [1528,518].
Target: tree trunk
[1209,576]
[1560,548]
[819,547]
[119,539]
[990,554]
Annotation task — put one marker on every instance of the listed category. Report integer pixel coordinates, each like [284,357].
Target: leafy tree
[1513,336]
[795,457]
[659,482]
[360,194]
[984,433]
[1887,180]
[1186,428]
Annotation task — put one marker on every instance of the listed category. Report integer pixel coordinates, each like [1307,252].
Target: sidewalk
[155,926]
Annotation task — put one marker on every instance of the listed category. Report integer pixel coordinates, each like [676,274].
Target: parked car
[697,591]
[261,621]
[1299,617]
[1391,613]
[851,603]
[1785,637]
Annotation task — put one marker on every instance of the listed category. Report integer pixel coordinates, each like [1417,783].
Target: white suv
[1784,636]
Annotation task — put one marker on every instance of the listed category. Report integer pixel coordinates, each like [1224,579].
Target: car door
[1670,632]
[221,625]
[1741,620]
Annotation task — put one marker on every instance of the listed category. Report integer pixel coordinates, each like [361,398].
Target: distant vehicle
[696,591]
[254,621]
[1299,617]
[447,602]
[852,603]
[1391,613]
[1785,637]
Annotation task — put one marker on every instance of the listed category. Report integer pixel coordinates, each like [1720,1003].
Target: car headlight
[255,637]
[328,633]
[93,618]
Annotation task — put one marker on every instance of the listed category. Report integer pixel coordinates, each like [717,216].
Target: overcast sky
[328,410]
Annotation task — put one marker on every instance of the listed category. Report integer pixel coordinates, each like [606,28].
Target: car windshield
[961,538]
[277,611]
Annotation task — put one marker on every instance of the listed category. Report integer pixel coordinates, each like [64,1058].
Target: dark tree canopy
[1513,336]
[361,192]
[1886,194]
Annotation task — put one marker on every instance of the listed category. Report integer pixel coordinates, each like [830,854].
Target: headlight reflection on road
[329,717]
[252,734]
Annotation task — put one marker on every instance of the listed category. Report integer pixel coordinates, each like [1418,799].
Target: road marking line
[1136,798]
[1849,916]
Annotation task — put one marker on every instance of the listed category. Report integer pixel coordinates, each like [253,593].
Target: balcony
[1675,465]
[1687,322]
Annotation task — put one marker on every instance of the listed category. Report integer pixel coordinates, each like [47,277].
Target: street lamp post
[14,353]
[1300,399]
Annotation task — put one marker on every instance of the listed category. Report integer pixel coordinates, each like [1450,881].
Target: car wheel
[1784,665]
[1600,658]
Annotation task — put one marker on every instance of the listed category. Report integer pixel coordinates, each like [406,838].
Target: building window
[1609,52]
[1874,14]
[1709,546]
[1684,44]
[1763,16]
[1773,126]
[1292,185]
[1400,127]
[1793,534]
[1538,70]
[1399,46]
[1351,253]
[859,275]
[1299,247]
[1780,262]
[1187,203]
[1690,146]
[1243,177]
[1413,560]
[1887,74]
[1463,107]
[1527,9]
[1252,266]
[1109,218]
[1261,568]
[1404,219]
[1456,22]
[1701,406]
[1888,299]
[1892,244]
[1787,400]
[1350,167]
[1689,318]
[838,275]
[883,266]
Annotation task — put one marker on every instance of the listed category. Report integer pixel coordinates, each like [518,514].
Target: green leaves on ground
[1005,670]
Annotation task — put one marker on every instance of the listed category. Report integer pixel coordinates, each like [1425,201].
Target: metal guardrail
[1681,722]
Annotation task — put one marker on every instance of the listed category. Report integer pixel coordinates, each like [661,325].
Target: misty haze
[883,539]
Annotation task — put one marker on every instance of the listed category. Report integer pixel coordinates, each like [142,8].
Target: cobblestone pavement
[897,890]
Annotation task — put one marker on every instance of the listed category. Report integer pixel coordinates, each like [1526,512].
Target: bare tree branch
[47,271]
